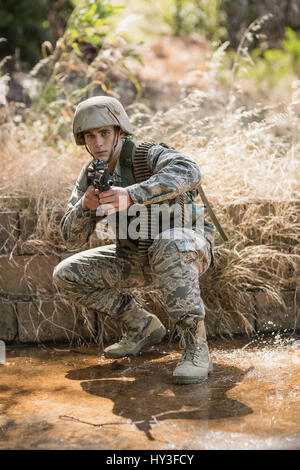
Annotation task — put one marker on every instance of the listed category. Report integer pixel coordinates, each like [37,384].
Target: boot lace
[195,354]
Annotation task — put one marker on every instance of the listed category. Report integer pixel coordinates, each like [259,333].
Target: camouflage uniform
[99,278]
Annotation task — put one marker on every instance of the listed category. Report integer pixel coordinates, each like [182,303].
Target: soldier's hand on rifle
[90,199]
[114,200]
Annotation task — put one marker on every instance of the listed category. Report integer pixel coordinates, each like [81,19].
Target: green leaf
[74,34]
[133,54]
[132,78]
[76,48]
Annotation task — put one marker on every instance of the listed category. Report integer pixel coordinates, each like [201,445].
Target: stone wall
[32,311]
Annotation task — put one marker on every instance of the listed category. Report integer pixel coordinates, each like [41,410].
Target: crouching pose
[171,258]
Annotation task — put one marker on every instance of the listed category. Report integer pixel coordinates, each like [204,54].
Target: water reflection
[144,391]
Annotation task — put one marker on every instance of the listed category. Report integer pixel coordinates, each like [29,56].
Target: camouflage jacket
[173,174]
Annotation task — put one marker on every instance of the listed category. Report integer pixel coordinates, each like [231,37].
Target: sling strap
[211,213]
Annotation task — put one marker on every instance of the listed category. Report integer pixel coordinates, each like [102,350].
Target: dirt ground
[250,401]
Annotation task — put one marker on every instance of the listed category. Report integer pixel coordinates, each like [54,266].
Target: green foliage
[272,66]
[271,69]
[205,16]
[21,25]
[25,25]
[158,17]
[291,45]
[89,59]
[86,23]
[47,96]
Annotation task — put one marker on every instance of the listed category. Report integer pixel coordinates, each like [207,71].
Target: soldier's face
[102,140]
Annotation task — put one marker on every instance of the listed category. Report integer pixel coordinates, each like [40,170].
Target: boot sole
[188,380]
[182,380]
[154,338]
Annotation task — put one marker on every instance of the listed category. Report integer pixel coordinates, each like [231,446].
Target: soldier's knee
[56,273]
[60,273]
[63,279]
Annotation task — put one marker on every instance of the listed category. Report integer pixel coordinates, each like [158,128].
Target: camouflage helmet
[99,111]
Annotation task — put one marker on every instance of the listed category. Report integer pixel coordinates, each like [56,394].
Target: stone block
[15,202]
[50,321]
[39,233]
[272,316]
[9,231]
[27,274]
[28,221]
[27,225]
[8,321]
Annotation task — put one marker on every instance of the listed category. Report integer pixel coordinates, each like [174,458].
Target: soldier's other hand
[90,199]
[114,200]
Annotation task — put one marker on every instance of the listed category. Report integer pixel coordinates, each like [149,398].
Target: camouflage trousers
[101,278]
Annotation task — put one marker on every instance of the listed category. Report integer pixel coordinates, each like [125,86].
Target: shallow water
[250,401]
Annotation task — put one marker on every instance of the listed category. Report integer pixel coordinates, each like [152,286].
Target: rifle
[101,178]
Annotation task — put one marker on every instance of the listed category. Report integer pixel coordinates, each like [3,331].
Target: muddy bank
[250,401]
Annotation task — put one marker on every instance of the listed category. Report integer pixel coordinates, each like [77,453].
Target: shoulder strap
[142,173]
[126,162]
[140,162]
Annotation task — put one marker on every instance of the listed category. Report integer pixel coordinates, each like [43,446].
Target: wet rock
[8,321]
[116,366]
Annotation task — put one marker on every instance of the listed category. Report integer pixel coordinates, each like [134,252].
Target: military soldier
[101,278]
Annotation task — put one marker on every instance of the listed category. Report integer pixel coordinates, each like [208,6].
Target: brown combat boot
[142,329]
[195,363]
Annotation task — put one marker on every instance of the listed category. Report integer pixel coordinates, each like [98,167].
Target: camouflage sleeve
[77,225]
[173,174]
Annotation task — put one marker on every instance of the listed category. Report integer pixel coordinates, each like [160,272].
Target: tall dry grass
[243,153]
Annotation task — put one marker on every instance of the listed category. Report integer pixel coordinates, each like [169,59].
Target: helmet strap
[112,154]
[86,147]
[115,144]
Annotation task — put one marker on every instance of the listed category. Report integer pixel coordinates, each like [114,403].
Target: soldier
[101,278]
